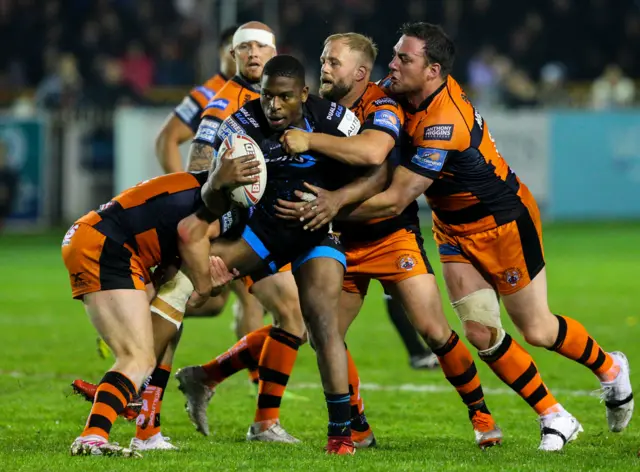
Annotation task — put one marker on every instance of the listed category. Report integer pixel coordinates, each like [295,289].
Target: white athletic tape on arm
[253,34]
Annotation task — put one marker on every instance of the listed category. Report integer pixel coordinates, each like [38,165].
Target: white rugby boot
[157,442]
[557,429]
[94,445]
[274,433]
[197,394]
[618,395]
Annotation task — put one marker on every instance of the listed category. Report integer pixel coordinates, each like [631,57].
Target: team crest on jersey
[512,276]
[406,262]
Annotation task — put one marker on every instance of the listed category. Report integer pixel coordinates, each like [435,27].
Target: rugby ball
[246,195]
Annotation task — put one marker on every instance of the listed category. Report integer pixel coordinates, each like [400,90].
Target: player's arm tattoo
[200,157]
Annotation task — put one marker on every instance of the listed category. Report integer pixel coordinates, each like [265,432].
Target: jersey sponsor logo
[349,125]
[187,110]
[67,237]
[229,127]
[207,92]
[438,132]
[245,118]
[430,158]
[219,103]
[385,101]
[387,119]
[295,160]
[207,131]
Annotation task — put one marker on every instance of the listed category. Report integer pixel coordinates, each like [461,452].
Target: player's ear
[233,53]
[305,94]
[361,73]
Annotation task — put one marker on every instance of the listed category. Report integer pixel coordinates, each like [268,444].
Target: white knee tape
[171,300]
[481,306]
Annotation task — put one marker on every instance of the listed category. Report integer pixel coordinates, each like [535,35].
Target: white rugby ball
[246,195]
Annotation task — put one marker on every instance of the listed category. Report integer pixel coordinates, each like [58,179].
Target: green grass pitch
[46,342]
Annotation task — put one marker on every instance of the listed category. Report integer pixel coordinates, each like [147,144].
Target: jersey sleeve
[190,108]
[435,142]
[384,114]
[342,122]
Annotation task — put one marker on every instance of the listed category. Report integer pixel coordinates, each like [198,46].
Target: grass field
[420,424]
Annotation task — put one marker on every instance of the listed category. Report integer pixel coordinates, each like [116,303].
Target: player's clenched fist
[295,141]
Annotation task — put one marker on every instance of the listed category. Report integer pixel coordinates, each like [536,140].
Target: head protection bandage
[253,34]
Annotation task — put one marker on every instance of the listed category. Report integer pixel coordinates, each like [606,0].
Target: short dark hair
[284,66]
[438,47]
[227,35]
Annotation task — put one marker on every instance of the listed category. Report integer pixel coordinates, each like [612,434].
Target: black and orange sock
[460,370]
[516,368]
[574,343]
[339,411]
[148,422]
[276,363]
[245,354]
[114,392]
[358,419]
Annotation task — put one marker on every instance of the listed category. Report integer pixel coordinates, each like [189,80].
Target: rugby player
[268,243]
[487,227]
[388,249]
[109,254]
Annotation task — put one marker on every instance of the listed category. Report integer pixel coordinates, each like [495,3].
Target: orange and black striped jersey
[145,217]
[233,96]
[190,108]
[474,189]
[377,111]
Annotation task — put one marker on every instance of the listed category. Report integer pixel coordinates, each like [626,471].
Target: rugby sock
[516,368]
[575,343]
[148,421]
[276,363]
[460,370]
[244,354]
[410,338]
[358,418]
[114,392]
[339,410]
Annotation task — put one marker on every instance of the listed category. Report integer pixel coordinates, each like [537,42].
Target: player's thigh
[236,254]
[350,305]
[122,317]
[278,293]
[529,308]
[421,300]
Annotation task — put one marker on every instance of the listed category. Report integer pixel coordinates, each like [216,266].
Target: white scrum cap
[254,34]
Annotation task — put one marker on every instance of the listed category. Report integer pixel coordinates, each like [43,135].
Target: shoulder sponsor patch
[219,103]
[207,131]
[430,158]
[385,101]
[206,91]
[438,132]
[387,119]
[187,110]
[349,125]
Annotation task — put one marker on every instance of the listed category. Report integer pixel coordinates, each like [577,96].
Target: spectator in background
[137,68]
[552,91]
[8,184]
[171,70]
[483,78]
[62,88]
[612,89]
[110,90]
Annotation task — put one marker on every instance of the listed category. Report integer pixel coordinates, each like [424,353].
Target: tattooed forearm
[200,157]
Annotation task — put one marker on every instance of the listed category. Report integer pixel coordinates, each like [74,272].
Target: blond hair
[357,42]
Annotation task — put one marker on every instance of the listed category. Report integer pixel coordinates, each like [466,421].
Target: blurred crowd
[511,54]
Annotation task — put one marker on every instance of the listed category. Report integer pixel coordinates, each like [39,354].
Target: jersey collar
[427,101]
[243,82]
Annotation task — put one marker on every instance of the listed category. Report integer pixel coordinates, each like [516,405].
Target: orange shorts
[249,281]
[508,256]
[390,260]
[97,263]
